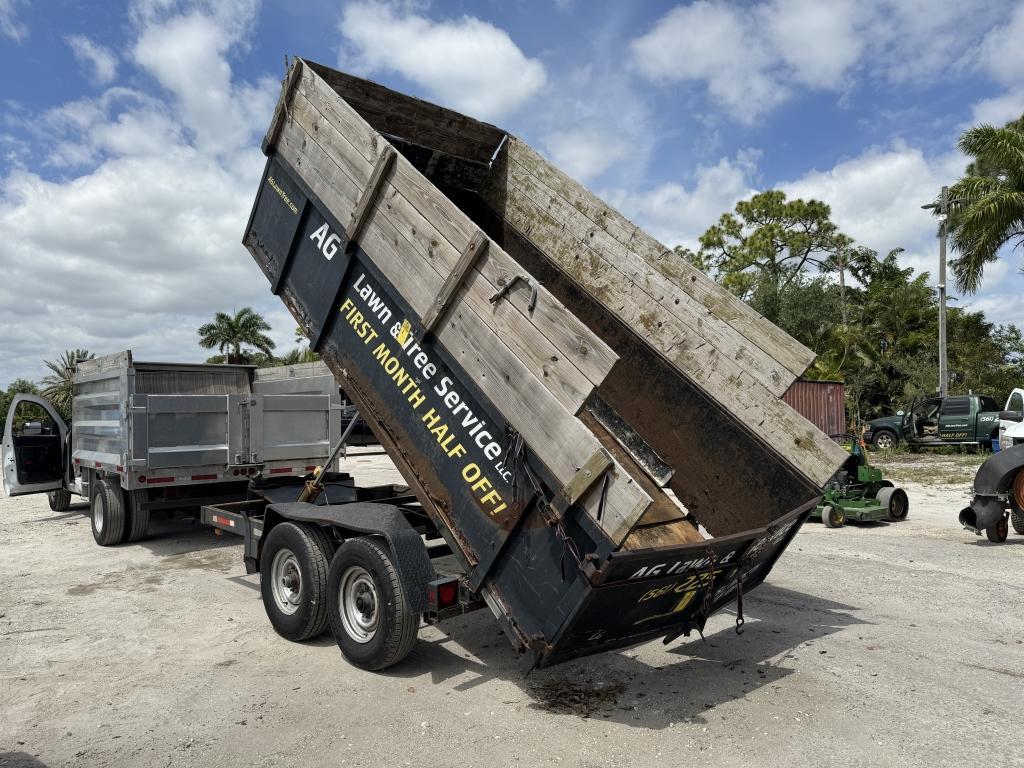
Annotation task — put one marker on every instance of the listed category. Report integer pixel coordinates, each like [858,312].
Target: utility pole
[943,206]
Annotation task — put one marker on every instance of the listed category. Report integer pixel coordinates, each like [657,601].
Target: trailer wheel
[896,503]
[293,579]
[832,516]
[998,531]
[137,524]
[108,521]
[370,615]
[1017,520]
[60,500]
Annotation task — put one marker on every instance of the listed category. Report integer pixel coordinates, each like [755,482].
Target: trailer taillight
[443,593]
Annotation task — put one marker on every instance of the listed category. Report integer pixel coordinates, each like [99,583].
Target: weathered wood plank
[565,224]
[281,110]
[713,297]
[730,384]
[559,440]
[428,258]
[467,259]
[410,118]
[368,198]
[317,109]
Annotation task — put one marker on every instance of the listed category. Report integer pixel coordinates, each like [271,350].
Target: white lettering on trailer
[680,565]
[327,241]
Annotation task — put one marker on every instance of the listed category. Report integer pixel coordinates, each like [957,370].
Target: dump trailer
[591,428]
[148,437]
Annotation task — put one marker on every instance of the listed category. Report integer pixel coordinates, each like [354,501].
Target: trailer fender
[991,485]
[368,519]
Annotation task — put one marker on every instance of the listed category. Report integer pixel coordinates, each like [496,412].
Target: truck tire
[107,508]
[884,439]
[1017,520]
[896,503]
[293,579]
[832,516]
[60,500]
[370,615]
[137,524]
[998,531]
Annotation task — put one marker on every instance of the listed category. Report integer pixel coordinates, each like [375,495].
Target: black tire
[394,626]
[884,439]
[998,531]
[107,513]
[293,579]
[896,503]
[1017,520]
[832,516]
[137,524]
[60,500]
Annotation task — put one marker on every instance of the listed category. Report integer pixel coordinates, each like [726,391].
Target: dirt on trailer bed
[872,644]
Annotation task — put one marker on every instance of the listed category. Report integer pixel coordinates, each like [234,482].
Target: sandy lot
[869,645]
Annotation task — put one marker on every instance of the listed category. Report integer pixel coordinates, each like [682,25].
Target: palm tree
[229,333]
[989,208]
[58,386]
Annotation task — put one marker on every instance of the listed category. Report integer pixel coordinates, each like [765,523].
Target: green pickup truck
[935,421]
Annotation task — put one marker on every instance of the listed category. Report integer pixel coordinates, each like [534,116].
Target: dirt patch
[929,468]
[583,699]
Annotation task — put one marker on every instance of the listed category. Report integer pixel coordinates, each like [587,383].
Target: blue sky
[129,144]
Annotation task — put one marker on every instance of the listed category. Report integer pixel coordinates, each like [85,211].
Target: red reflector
[160,480]
[204,477]
[447,595]
[120,469]
[78,461]
[98,465]
[281,471]
[234,471]
[141,478]
[223,521]
[311,469]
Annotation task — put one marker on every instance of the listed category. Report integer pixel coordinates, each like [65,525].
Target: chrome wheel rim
[286,581]
[98,515]
[358,604]
[884,442]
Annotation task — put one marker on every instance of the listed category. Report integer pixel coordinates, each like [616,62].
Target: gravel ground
[869,645]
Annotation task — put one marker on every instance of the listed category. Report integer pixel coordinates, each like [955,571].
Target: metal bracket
[508,287]
[361,213]
[585,478]
[467,259]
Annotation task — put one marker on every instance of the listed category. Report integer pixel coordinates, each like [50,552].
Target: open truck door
[35,437]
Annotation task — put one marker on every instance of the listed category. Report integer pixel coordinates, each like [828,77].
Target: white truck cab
[1011,420]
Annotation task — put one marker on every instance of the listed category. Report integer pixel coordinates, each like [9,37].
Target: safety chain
[709,589]
[742,569]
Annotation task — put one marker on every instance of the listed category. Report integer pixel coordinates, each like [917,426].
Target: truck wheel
[1017,520]
[108,523]
[884,440]
[60,501]
[832,516]
[370,616]
[998,531]
[293,579]
[137,524]
[896,503]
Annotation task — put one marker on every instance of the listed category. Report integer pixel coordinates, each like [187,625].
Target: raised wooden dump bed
[548,378]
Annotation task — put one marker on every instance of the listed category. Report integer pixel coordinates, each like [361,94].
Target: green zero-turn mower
[859,492]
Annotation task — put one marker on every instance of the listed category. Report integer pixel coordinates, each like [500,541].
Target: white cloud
[141,244]
[467,64]
[100,61]
[999,110]
[751,59]
[587,152]
[676,215]
[9,25]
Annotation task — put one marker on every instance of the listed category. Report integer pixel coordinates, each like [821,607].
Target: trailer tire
[370,614]
[60,500]
[107,513]
[137,524]
[998,531]
[896,503]
[293,579]
[832,516]
[1017,520]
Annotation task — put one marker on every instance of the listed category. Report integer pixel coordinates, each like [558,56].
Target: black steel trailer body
[538,429]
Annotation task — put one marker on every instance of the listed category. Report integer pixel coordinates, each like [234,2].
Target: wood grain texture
[559,440]
[713,297]
[467,260]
